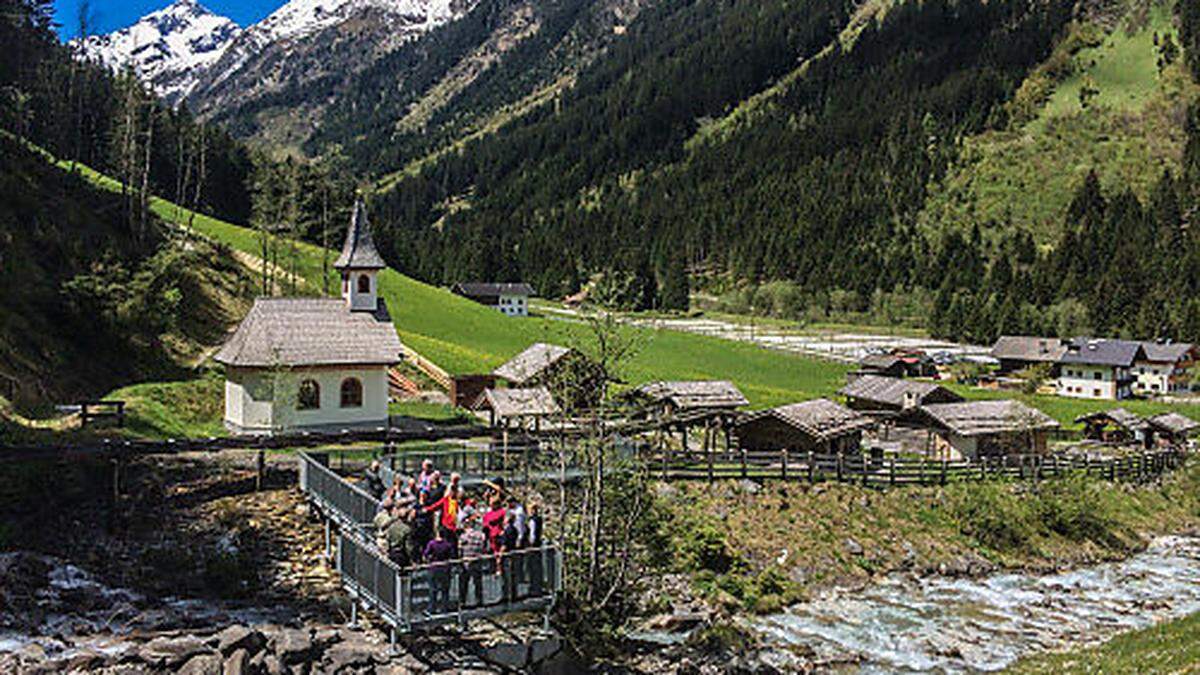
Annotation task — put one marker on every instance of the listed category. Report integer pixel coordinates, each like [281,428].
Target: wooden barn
[979,429]
[1171,428]
[876,394]
[820,426]
[523,409]
[674,398]
[565,372]
[1112,426]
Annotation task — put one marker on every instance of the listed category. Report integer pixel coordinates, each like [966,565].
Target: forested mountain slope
[86,304]
[835,148]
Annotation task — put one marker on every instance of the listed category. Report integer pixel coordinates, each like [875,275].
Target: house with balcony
[1165,368]
[1098,368]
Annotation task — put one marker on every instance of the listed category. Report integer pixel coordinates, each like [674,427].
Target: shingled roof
[532,402]
[1024,348]
[1174,423]
[530,363]
[1166,352]
[359,251]
[473,289]
[1119,416]
[292,332]
[892,391]
[1101,352]
[694,395]
[820,418]
[980,418]
[880,361]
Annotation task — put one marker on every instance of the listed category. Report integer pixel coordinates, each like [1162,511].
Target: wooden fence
[881,472]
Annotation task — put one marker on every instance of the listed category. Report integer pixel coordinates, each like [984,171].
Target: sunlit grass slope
[464,337]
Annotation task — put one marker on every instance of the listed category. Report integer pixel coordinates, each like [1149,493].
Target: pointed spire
[358,253]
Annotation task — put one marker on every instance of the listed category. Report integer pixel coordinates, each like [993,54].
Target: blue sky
[109,15]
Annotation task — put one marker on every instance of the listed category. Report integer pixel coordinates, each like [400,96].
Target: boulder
[171,652]
[349,655]
[292,645]
[237,663]
[238,637]
[202,664]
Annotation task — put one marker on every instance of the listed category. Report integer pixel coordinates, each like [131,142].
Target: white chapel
[315,363]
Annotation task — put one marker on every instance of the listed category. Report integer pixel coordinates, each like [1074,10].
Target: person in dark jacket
[534,541]
[373,480]
[508,560]
[438,553]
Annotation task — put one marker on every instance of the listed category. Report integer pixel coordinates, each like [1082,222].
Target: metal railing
[452,591]
[341,500]
[408,597]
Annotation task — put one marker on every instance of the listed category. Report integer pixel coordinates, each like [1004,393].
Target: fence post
[865,467]
[944,463]
[812,469]
[840,461]
[744,470]
[783,465]
[892,472]
[708,452]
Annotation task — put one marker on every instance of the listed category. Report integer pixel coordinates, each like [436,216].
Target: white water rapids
[906,624]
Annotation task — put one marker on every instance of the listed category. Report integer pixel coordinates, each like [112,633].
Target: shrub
[994,515]
[1078,509]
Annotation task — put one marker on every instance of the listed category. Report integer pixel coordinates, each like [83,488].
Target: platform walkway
[412,598]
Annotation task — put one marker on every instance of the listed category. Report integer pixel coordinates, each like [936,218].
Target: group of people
[427,522]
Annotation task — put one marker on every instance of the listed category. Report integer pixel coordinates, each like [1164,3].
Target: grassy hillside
[1129,131]
[1171,647]
[464,337]
[88,305]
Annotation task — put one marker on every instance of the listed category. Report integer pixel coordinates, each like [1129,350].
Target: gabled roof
[482,289]
[979,418]
[292,332]
[1025,348]
[694,395]
[892,391]
[1119,416]
[880,361]
[359,253]
[1101,352]
[1167,352]
[820,418]
[530,363]
[533,402]
[1174,423]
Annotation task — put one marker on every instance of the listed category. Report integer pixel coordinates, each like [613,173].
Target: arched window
[309,397]
[364,283]
[351,393]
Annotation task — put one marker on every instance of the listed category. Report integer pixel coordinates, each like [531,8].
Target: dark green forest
[819,187]
[80,111]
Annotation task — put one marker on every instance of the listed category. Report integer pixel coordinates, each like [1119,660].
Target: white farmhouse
[1164,370]
[512,299]
[315,363]
[1098,368]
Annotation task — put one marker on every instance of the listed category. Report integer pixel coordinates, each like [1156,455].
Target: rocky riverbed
[914,624]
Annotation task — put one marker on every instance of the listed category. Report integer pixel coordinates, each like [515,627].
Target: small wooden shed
[820,426]
[978,429]
[1112,426]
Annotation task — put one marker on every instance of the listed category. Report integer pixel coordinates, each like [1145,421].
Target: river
[907,624]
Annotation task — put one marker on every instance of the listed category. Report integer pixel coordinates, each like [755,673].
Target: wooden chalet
[1112,426]
[819,426]
[675,398]
[979,429]
[887,365]
[1018,352]
[523,409]
[564,371]
[1171,428]
[889,396]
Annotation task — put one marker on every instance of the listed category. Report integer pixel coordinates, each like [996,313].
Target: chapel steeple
[360,263]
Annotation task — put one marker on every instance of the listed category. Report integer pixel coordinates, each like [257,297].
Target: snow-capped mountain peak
[167,48]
